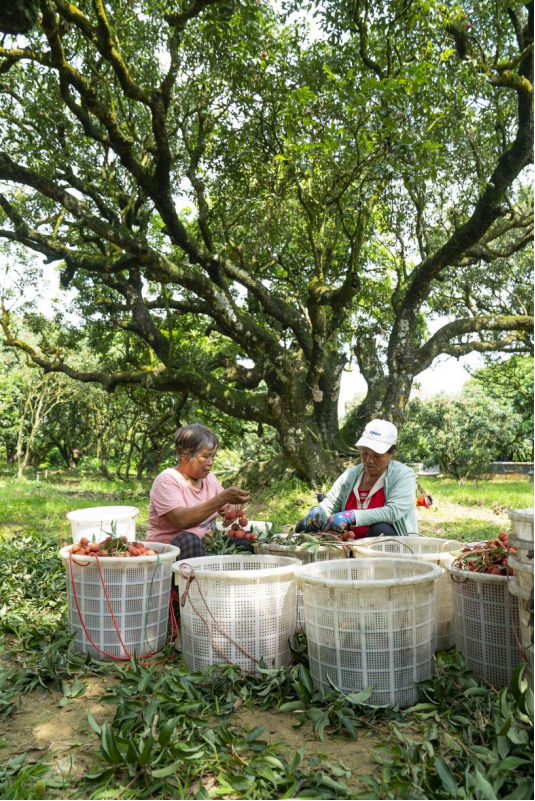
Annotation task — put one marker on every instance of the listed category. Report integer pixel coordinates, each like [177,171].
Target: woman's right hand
[234,495]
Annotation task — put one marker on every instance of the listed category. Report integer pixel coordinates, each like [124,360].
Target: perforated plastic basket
[237,608]
[522,526]
[138,589]
[521,586]
[96,522]
[305,555]
[431,549]
[487,627]
[526,625]
[371,621]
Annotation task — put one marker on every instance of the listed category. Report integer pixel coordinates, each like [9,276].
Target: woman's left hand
[341,521]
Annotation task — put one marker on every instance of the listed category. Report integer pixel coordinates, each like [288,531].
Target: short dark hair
[393,448]
[190,440]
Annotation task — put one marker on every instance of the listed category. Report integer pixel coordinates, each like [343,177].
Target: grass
[511,494]
[36,655]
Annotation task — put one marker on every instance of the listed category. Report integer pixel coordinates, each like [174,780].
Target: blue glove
[316,519]
[341,521]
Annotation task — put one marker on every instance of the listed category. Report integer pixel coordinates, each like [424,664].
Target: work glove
[341,521]
[315,520]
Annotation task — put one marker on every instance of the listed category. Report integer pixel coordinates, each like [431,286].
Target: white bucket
[371,622]
[487,626]
[237,608]
[97,522]
[138,590]
[287,547]
[522,525]
[431,549]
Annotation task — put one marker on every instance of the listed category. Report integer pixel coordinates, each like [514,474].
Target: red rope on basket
[110,656]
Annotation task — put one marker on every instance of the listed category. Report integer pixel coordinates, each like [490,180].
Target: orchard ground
[49,722]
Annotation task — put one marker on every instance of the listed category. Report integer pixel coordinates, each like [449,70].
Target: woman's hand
[234,495]
[341,521]
[315,520]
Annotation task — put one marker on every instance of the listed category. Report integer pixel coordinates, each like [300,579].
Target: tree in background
[510,384]
[461,433]
[56,421]
[253,208]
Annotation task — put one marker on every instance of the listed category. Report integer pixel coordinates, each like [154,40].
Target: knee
[191,546]
[382,529]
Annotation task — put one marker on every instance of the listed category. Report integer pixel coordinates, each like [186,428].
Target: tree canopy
[250,204]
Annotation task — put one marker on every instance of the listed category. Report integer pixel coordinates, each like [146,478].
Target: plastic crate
[96,522]
[138,589]
[371,622]
[431,549]
[487,626]
[237,608]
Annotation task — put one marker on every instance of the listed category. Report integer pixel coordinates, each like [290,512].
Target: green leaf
[255,733]
[306,679]
[291,706]
[103,775]
[146,751]
[161,773]
[109,745]
[166,731]
[518,685]
[447,777]
[485,786]
[93,723]
[296,760]
[362,696]
[480,692]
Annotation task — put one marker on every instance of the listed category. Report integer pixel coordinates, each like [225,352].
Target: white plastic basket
[526,626]
[305,555]
[237,608]
[371,622]
[522,526]
[487,626]
[138,589]
[96,522]
[431,549]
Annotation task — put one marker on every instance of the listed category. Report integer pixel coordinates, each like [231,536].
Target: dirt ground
[60,735]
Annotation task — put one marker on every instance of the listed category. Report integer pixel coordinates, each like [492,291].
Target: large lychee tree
[255,204]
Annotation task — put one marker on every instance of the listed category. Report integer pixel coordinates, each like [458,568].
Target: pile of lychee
[234,523]
[112,546]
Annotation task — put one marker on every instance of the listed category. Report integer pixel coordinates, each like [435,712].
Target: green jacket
[400,493]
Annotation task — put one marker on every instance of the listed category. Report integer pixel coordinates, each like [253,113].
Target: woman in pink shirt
[185,500]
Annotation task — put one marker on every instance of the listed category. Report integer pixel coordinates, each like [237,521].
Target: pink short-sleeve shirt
[168,492]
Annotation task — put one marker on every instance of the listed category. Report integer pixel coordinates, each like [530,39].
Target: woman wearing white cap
[373,498]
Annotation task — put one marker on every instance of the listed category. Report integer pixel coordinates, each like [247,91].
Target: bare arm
[184,518]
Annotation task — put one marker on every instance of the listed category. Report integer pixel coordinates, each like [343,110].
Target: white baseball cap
[379,436]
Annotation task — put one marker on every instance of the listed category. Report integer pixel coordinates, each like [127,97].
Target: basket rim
[287,566]
[526,515]
[303,574]
[440,554]
[171,551]
[327,547]
[455,571]
[102,513]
